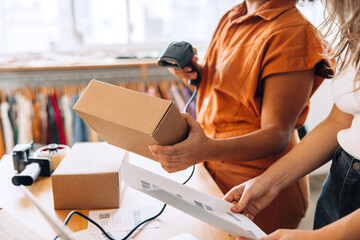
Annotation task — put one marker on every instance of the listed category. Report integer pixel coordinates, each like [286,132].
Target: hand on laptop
[251,197]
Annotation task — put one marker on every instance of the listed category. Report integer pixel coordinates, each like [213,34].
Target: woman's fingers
[185,74]
[246,197]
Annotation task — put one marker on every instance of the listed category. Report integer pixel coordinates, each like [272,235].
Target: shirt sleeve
[296,48]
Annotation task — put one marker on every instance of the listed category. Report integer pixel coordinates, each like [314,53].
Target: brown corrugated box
[89,177]
[130,120]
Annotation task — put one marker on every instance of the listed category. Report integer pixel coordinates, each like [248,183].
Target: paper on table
[123,219]
[13,229]
[203,206]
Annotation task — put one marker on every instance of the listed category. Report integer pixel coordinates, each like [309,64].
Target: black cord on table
[161,211]
[145,221]
[87,218]
[134,229]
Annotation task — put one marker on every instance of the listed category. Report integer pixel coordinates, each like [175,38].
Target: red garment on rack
[58,119]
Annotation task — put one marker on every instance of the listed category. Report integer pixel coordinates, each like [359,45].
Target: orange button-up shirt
[244,51]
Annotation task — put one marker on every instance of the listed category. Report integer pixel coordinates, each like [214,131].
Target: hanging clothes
[164,88]
[179,101]
[7,127]
[58,120]
[52,134]
[24,119]
[36,121]
[44,117]
[80,133]
[41,98]
[13,114]
[68,118]
[141,87]
[153,89]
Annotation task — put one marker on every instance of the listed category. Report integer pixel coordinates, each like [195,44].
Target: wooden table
[172,222]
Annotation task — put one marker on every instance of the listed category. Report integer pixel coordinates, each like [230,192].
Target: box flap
[174,121]
[122,106]
[91,158]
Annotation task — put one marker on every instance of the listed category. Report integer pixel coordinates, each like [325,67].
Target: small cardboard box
[88,177]
[130,120]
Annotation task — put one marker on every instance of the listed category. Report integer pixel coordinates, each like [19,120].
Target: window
[28,25]
[124,25]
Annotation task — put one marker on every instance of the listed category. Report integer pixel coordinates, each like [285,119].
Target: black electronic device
[178,55]
[29,168]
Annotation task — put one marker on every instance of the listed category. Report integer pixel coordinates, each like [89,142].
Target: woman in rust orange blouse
[262,66]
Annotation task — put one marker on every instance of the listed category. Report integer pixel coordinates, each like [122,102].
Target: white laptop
[62,231]
[205,207]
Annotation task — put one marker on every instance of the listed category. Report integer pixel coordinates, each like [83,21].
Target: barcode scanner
[178,55]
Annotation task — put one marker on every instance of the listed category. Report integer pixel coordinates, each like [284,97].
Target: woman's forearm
[312,152]
[256,145]
[345,228]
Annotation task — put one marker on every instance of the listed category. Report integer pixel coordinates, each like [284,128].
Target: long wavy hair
[343,25]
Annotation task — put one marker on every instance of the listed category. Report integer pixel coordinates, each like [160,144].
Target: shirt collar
[267,11]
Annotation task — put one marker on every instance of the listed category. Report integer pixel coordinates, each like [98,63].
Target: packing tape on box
[55,152]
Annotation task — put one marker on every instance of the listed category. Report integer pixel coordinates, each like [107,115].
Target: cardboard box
[88,177]
[130,120]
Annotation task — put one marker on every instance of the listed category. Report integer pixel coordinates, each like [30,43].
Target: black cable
[192,172]
[87,218]
[134,229]
[191,99]
[161,211]
[147,220]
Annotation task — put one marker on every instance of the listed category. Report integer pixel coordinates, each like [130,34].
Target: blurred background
[138,28]
[53,48]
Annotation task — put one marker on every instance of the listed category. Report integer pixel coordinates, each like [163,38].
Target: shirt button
[356,166]
[216,68]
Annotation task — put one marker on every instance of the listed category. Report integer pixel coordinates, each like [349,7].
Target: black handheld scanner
[178,55]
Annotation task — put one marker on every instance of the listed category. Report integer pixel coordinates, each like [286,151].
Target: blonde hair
[343,23]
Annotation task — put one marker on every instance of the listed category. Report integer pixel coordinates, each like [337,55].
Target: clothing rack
[15,76]
[44,114]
